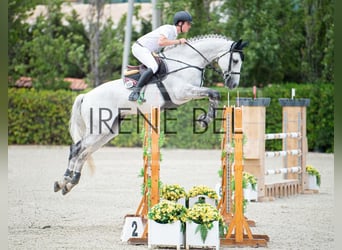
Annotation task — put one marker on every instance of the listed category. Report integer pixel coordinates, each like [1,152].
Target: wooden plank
[155,165]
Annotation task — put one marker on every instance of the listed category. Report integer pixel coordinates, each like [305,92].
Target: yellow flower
[203,190]
[172,192]
[203,213]
[167,212]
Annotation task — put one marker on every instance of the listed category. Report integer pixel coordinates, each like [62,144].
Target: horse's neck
[210,48]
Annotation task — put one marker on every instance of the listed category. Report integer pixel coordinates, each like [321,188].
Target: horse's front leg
[214,98]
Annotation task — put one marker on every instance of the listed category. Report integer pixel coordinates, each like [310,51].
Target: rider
[164,35]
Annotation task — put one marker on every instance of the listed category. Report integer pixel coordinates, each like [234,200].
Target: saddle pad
[129,82]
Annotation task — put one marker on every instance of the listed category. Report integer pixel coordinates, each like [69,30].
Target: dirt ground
[91,216]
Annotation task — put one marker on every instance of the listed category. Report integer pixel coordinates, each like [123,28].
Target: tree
[18,11]
[50,50]
[318,59]
[95,14]
[290,40]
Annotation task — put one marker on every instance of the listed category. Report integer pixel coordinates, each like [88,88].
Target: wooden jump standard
[239,233]
[151,170]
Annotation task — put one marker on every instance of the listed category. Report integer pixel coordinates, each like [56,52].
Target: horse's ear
[237,44]
[240,44]
[243,44]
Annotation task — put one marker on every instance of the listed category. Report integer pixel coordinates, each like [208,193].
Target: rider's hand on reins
[182,41]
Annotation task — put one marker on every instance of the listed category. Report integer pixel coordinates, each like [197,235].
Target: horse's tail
[77,126]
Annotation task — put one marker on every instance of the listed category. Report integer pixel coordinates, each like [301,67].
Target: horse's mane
[199,38]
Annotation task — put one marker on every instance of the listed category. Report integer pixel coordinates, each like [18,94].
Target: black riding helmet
[182,16]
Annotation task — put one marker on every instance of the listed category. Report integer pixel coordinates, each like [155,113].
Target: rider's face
[186,27]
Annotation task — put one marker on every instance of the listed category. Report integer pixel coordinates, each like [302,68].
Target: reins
[210,65]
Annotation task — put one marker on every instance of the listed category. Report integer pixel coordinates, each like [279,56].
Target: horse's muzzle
[229,81]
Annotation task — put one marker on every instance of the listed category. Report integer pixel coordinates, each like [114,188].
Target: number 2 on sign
[135,227]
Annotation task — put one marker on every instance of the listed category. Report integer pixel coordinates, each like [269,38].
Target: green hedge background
[41,117]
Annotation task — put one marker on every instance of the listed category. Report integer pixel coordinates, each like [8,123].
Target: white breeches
[145,57]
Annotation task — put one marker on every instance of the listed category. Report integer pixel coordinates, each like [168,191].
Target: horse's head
[231,62]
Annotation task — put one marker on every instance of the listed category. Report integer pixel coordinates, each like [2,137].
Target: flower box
[202,194]
[194,239]
[165,234]
[201,199]
[250,194]
[312,182]
[313,178]
[182,201]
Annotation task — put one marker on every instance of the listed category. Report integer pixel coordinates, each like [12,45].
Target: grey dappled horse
[183,82]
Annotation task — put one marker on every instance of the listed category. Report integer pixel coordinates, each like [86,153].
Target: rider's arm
[163,41]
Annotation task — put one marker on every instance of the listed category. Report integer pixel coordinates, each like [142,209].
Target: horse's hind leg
[89,144]
[68,175]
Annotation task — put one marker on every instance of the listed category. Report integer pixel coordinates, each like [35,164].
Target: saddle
[133,73]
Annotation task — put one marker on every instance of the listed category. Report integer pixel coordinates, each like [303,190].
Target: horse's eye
[235,61]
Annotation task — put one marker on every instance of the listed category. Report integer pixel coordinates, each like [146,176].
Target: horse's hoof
[56,187]
[65,190]
[202,121]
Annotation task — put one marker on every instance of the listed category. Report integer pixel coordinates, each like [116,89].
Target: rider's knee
[154,68]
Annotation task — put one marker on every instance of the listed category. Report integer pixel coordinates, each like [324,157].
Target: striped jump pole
[271,154]
[283,170]
[283,135]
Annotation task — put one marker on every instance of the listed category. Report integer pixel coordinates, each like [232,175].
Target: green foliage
[48,51]
[287,39]
[41,117]
[290,41]
[203,231]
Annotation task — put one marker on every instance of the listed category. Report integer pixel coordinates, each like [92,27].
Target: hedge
[41,117]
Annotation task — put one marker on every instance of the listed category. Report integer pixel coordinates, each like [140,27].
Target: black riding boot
[144,78]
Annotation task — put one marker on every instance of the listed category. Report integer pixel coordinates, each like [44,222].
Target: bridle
[228,73]
[210,64]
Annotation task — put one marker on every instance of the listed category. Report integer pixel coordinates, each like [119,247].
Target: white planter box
[194,239]
[193,200]
[165,234]
[182,201]
[312,182]
[250,194]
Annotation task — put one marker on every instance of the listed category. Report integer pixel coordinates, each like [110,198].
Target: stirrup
[134,96]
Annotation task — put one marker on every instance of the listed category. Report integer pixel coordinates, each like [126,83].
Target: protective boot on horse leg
[68,175]
[74,178]
[143,80]
[90,144]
